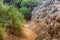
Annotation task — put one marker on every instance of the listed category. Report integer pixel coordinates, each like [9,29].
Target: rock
[47,13]
[58,17]
[43,10]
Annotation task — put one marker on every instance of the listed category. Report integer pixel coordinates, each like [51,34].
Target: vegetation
[26,12]
[11,18]
[27,6]
[1,33]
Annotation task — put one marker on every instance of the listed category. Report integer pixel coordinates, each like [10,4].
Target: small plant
[12,19]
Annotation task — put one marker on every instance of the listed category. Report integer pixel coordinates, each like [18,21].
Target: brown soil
[29,35]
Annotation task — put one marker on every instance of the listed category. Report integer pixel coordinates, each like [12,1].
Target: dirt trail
[30,35]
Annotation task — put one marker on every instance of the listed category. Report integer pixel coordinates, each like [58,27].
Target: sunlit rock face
[47,13]
[47,7]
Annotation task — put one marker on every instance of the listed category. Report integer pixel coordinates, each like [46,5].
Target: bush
[26,12]
[17,20]
[12,19]
[1,33]
[27,7]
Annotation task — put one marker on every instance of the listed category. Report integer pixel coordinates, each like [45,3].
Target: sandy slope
[30,35]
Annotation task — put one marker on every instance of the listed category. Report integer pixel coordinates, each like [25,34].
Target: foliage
[1,33]
[26,7]
[24,2]
[26,12]
[17,19]
[11,15]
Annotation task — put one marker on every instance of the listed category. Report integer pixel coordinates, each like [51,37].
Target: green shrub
[23,3]
[17,21]
[1,33]
[26,12]
[25,9]
[12,19]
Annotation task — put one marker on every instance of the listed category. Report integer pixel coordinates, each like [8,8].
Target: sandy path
[30,35]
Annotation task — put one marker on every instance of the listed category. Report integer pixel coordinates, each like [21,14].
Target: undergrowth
[12,19]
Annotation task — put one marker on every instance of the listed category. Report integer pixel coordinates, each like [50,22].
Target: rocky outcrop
[47,13]
[46,8]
